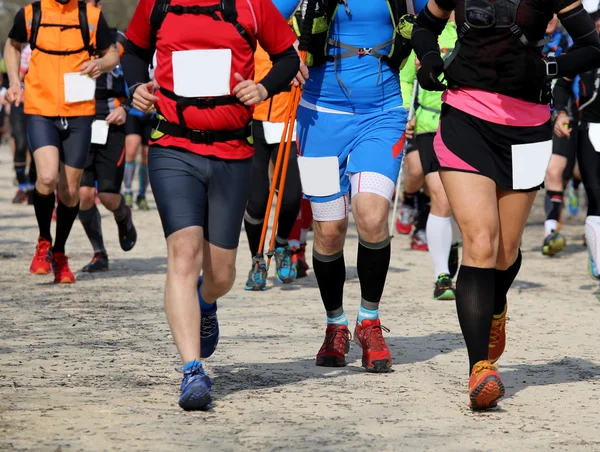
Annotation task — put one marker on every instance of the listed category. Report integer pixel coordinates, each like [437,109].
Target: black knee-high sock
[32,174]
[253,229]
[553,203]
[330,272]
[92,224]
[423,206]
[475,307]
[503,281]
[21,176]
[410,199]
[372,264]
[44,206]
[65,217]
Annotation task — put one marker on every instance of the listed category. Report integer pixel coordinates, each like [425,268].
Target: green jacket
[429,103]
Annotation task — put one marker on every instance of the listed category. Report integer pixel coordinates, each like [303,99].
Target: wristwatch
[551,67]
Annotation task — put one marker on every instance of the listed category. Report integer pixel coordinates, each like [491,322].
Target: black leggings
[259,192]
[589,167]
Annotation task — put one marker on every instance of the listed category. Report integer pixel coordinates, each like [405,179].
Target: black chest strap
[36,24]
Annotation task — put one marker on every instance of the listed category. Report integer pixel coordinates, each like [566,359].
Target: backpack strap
[85,27]
[157,17]
[229,13]
[35,24]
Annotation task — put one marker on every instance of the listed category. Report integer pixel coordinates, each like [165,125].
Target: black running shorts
[193,190]
[72,136]
[106,163]
[424,144]
[136,125]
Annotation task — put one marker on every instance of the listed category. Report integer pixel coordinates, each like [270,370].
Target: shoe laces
[259,272]
[420,236]
[373,337]
[336,338]
[444,281]
[207,325]
[189,374]
[406,215]
[285,258]
[497,327]
[41,252]
[483,365]
[60,259]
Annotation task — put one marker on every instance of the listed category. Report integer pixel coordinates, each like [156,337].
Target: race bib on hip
[79,88]
[100,132]
[594,134]
[320,176]
[202,73]
[529,164]
[274,132]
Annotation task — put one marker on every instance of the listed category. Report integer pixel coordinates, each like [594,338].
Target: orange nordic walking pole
[285,145]
[279,175]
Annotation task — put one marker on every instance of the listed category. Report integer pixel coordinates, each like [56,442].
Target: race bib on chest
[202,73]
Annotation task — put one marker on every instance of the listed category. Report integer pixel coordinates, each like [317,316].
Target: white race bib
[100,132]
[274,132]
[202,73]
[594,134]
[529,164]
[79,88]
[320,176]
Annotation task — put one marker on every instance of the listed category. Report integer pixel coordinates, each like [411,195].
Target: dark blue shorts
[192,190]
[72,137]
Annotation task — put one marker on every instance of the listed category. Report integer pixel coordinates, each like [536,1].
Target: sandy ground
[90,366]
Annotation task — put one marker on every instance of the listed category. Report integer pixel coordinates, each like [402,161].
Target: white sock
[552,225]
[592,237]
[439,239]
[293,244]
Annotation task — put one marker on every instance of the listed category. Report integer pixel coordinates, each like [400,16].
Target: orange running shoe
[336,345]
[376,355]
[62,272]
[40,265]
[485,386]
[497,336]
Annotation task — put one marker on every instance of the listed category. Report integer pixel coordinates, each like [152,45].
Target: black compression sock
[475,307]
[330,272]
[553,204]
[372,264]
[121,213]
[32,174]
[424,206]
[253,229]
[92,225]
[503,281]
[409,199]
[44,206]
[20,173]
[65,217]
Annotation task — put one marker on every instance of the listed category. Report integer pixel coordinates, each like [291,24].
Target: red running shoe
[419,241]
[299,260]
[62,272]
[485,386]
[404,221]
[40,265]
[376,355]
[336,345]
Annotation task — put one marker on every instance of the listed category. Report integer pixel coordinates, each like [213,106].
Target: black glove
[524,70]
[432,66]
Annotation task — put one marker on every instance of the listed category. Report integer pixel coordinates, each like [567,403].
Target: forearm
[561,93]
[285,67]
[431,21]
[135,64]
[584,55]
[12,60]
[109,60]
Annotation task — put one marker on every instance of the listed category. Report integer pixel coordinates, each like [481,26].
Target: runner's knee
[219,283]
[329,236]
[86,197]
[69,194]
[480,244]
[48,179]
[185,254]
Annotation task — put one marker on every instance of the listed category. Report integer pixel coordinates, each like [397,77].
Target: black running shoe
[99,263]
[127,232]
[444,290]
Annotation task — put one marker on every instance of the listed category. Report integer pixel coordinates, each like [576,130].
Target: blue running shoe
[209,326]
[573,199]
[286,270]
[195,390]
[257,278]
[592,270]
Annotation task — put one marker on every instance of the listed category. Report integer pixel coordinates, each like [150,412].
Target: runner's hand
[248,92]
[410,128]
[143,99]
[302,75]
[561,125]
[117,117]
[91,68]
[14,94]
